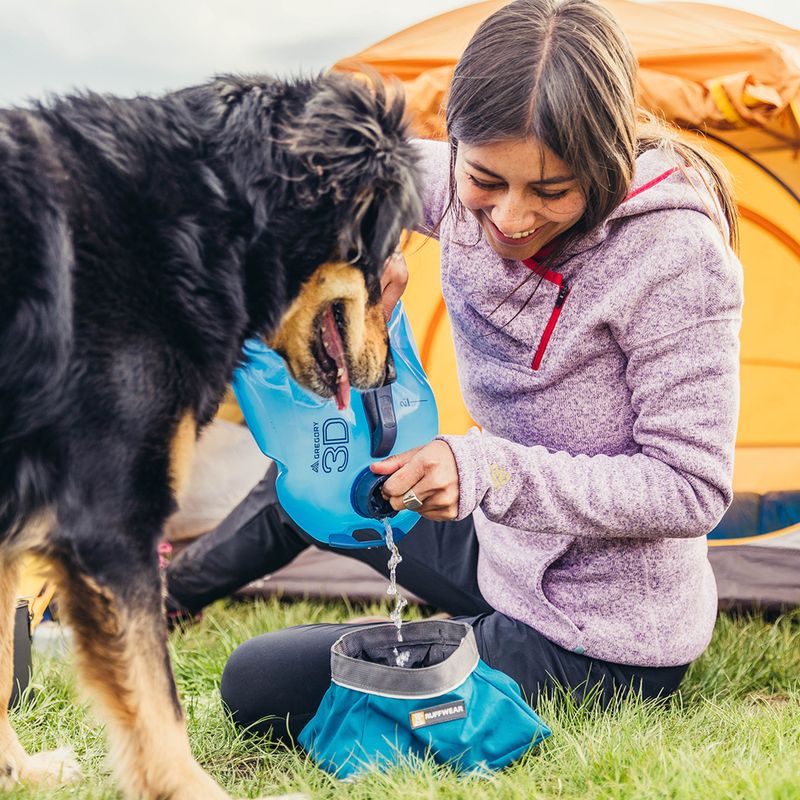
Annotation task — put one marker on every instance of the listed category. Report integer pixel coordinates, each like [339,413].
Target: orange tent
[729,74]
[734,79]
[700,65]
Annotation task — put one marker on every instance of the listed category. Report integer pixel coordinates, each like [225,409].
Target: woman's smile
[515,239]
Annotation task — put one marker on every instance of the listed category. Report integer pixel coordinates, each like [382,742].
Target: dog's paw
[51,768]
[9,773]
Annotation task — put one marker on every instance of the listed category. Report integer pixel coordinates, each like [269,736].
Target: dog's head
[331,189]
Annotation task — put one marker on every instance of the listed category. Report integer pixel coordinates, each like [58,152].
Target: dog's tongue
[334,347]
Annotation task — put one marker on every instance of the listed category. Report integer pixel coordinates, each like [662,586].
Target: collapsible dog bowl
[323,453]
[444,702]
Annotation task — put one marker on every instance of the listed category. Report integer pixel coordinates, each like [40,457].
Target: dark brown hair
[564,73]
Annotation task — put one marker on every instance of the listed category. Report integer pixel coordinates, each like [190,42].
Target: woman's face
[521,193]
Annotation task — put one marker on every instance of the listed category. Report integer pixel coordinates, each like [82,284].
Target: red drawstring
[558,279]
[650,184]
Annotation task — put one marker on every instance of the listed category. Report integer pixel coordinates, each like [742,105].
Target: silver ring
[411,501]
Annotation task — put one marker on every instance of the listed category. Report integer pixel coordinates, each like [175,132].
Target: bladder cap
[366,496]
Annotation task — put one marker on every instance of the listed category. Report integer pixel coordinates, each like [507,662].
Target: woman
[595,303]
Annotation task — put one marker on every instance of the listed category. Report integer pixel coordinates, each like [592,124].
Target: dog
[141,241]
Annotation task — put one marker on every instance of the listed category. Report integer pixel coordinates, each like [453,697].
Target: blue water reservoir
[323,453]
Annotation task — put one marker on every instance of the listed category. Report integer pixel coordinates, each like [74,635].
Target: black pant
[283,675]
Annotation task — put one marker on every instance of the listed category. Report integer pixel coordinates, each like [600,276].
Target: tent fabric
[734,79]
[750,577]
[757,518]
[226,465]
[700,64]
[323,575]
[755,552]
[697,63]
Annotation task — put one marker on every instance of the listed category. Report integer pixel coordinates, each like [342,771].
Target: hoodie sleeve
[678,328]
[434,163]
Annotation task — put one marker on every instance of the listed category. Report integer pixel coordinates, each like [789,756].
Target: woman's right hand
[393,282]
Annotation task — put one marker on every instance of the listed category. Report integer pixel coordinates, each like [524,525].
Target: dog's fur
[141,241]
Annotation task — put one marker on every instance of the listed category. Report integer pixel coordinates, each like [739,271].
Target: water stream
[400,657]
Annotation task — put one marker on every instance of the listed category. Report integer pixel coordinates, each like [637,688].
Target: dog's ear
[246,139]
[352,141]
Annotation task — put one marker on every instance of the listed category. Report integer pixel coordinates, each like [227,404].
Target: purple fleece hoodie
[596,476]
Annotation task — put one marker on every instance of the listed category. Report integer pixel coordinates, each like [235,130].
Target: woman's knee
[239,696]
[275,682]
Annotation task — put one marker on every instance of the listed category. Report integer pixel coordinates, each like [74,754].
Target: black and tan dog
[141,241]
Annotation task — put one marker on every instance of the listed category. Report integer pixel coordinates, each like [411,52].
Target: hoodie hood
[661,182]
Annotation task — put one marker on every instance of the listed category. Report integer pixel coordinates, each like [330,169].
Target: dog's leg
[12,756]
[49,769]
[121,655]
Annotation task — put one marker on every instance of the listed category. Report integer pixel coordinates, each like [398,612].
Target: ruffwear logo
[437,714]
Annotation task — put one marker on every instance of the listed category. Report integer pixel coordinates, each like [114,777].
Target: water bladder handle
[379,408]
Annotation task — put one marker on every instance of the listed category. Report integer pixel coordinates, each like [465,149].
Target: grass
[733,732]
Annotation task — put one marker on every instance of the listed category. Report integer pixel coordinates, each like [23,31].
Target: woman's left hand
[393,282]
[430,472]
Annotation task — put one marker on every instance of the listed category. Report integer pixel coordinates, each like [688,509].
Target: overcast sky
[130,46]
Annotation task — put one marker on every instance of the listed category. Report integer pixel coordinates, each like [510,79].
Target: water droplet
[397,614]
